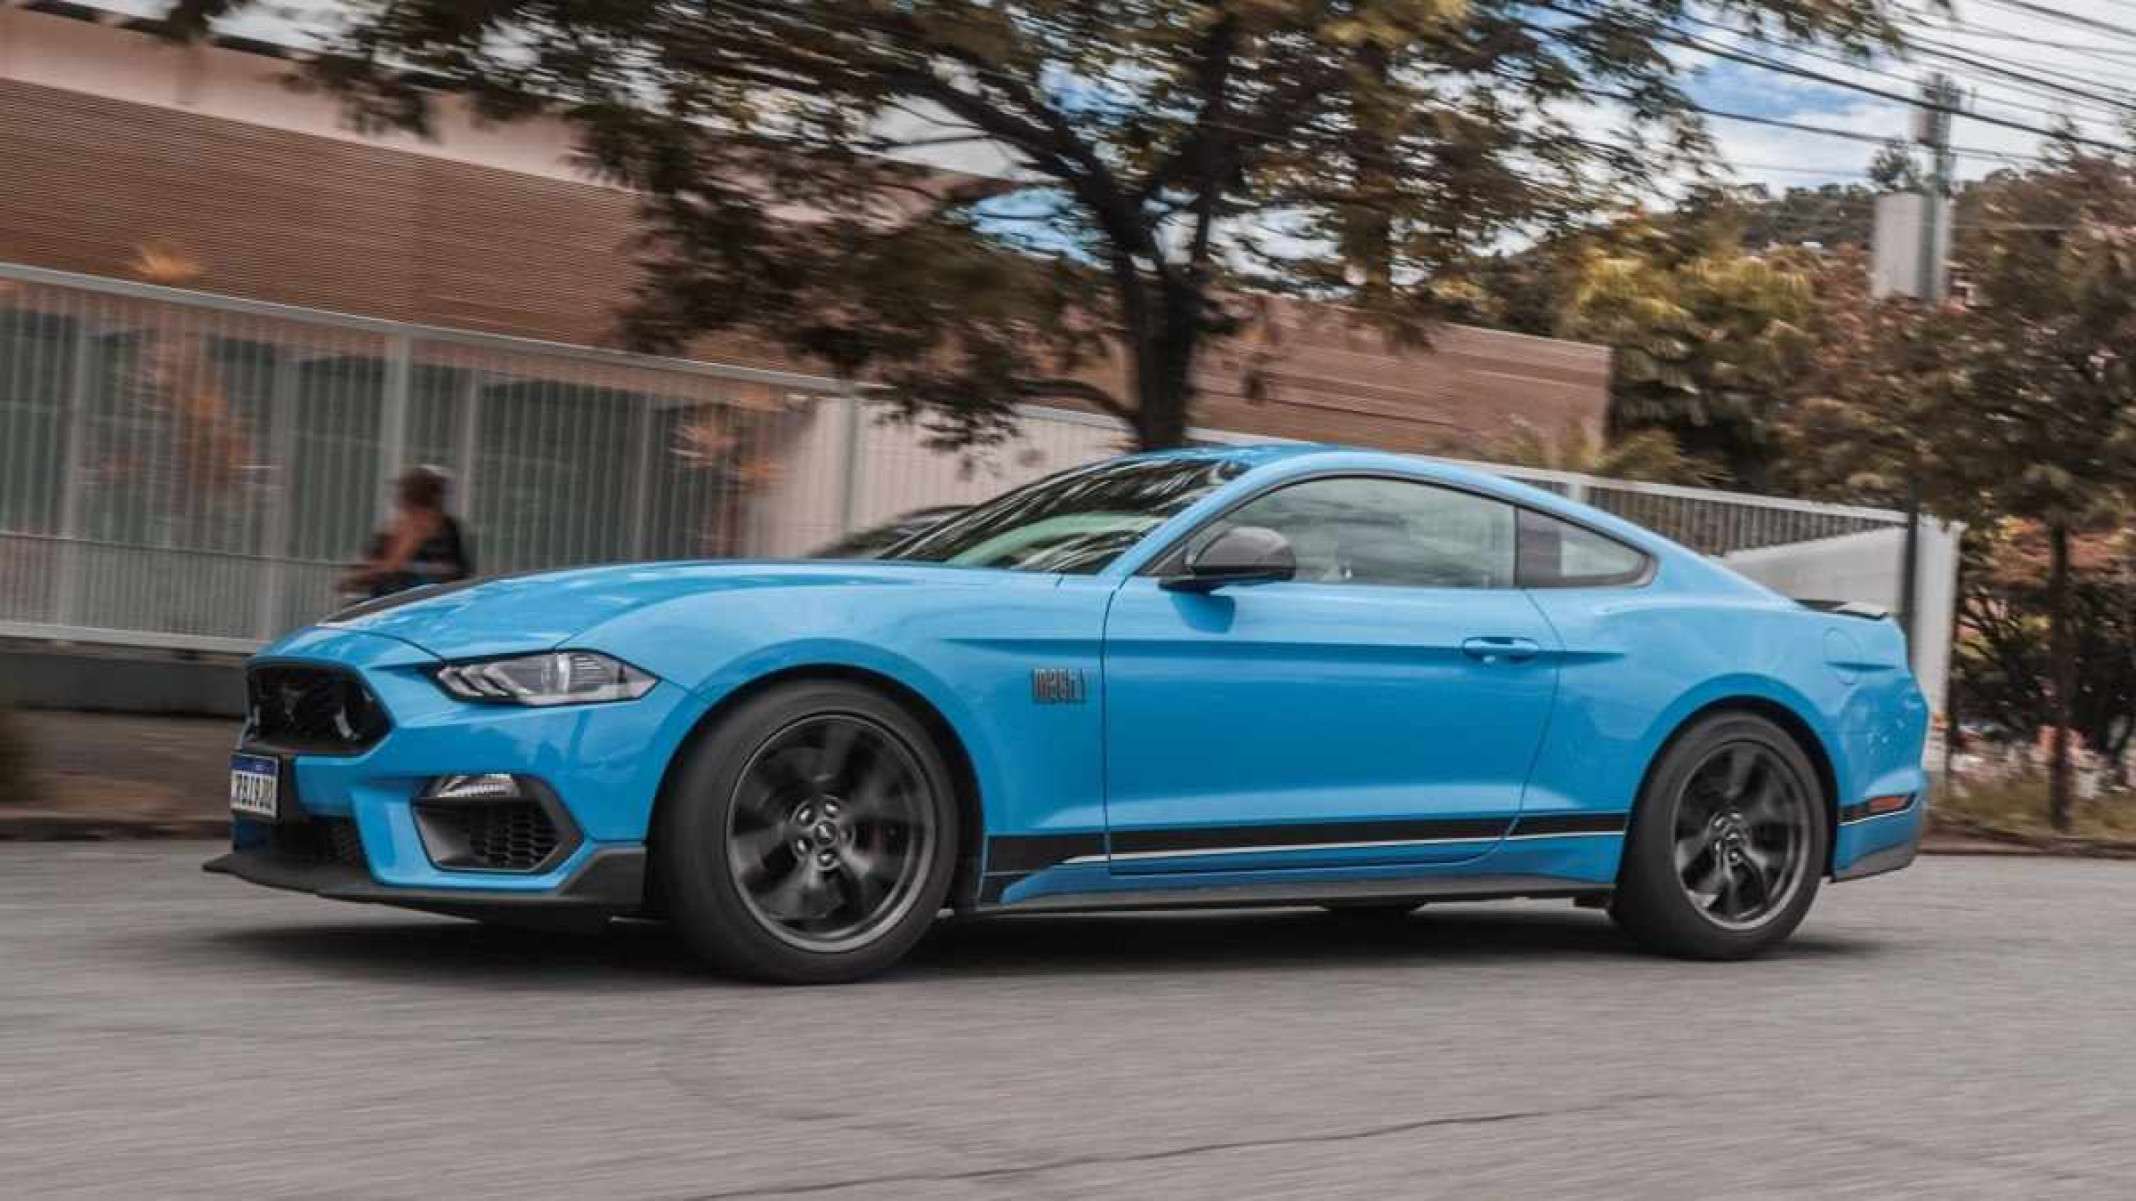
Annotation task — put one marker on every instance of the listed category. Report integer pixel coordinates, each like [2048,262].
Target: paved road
[1967,1028]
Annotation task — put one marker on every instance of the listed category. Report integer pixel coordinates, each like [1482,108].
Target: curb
[1970,838]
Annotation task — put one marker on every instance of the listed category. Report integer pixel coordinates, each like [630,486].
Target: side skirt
[1306,892]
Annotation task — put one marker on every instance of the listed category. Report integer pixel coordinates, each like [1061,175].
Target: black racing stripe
[1209,838]
[1030,852]
[1571,823]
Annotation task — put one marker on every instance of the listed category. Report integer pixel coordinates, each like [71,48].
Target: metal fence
[196,471]
[1711,521]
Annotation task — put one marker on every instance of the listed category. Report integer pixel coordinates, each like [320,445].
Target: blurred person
[422,544]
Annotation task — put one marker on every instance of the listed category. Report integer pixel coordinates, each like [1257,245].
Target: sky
[2001,37]
[2086,45]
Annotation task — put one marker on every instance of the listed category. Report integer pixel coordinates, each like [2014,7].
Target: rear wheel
[810,838]
[1727,844]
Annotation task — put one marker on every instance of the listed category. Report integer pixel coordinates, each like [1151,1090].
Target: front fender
[980,743]
[967,648]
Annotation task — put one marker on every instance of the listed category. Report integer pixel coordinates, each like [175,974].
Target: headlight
[552,678]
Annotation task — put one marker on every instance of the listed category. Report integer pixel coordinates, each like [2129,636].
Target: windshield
[1074,523]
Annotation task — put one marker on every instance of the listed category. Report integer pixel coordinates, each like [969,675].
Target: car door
[1382,707]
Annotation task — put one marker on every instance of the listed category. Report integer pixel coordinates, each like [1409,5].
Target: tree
[2021,404]
[1709,339]
[2003,668]
[1894,169]
[1828,215]
[1151,163]
[2054,271]
[1881,402]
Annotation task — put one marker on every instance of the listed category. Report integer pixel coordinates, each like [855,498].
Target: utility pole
[1932,128]
[1939,102]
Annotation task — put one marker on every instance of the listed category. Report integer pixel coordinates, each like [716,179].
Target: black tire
[1705,819]
[718,852]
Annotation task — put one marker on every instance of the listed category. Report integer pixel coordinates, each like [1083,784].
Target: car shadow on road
[466,954]
[1438,938]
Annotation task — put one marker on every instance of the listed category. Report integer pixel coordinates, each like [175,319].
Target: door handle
[1493,648]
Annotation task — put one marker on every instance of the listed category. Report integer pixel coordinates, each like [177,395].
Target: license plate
[255,785]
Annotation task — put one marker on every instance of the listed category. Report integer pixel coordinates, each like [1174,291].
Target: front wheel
[810,837]
[1727,844]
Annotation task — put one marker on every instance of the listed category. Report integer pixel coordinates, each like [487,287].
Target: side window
[1365,530]
[1559,554]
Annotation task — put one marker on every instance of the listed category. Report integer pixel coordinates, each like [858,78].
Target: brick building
[111,140]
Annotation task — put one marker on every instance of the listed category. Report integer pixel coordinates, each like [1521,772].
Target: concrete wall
[98,681]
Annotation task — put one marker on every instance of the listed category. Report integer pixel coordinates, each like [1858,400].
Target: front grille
[498,836]
[317,710]
[319,840]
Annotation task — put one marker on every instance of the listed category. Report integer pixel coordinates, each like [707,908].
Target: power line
[2077,19]
[1955,27]
[1698,44]
[2005,65]
[1784,68]
[1849,135]
[2045,89]
[1966,29]
[1935,49]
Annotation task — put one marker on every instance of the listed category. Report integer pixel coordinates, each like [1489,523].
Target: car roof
[1306,457]
[1270,462]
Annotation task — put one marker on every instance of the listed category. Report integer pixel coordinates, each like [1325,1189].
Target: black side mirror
[1243,554]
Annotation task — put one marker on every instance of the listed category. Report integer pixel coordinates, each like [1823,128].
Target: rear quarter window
[1558,554]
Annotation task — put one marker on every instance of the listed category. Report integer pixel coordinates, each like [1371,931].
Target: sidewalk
[105,775]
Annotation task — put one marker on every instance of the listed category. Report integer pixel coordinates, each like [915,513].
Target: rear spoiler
[1861,609]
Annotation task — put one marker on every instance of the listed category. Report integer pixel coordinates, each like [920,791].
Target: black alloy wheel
[829,834]
[1742,835]
[1728,841]
[809,836]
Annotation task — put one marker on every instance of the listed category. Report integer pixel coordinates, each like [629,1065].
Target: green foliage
[2050,394]
[1169,157]
[1649,454]
[1873,414]
[1525,292]
[2002,662]
[1895,169]
[1830,215]
[2020,404]
[1709,339]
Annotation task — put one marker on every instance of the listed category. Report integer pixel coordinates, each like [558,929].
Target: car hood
[512,614]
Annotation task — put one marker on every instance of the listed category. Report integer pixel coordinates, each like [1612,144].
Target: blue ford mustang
[1250,676]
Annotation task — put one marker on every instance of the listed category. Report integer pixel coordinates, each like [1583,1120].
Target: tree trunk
[1164,372]
[1161,412]
[2062,665]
